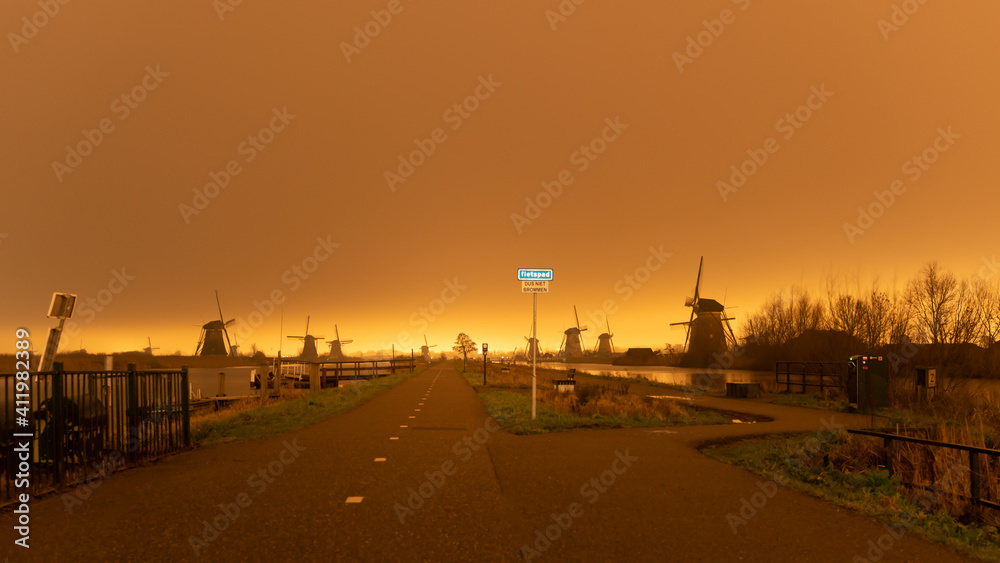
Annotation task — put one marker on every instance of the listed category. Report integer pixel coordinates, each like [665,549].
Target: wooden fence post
[314,377]
[975,478]
[888,455]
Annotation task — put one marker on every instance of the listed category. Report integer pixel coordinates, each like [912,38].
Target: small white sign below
[534,286]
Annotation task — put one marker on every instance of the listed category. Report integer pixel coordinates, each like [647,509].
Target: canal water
[696,377]
[719,377]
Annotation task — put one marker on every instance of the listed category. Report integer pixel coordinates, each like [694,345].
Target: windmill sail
[336,345]
[308,344]
[572,338]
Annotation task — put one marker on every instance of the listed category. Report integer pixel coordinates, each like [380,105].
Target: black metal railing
[822,375]
[77,422]
[975,468]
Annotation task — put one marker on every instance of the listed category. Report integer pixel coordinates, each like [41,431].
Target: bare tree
[987,298]
[932,297]
[876,320]
[963,323]
[807,314]
[847,314]
[783,318]
[464,345]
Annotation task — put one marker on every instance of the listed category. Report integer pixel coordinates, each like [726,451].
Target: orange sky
[333,119]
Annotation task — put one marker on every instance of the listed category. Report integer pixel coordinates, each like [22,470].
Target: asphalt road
[421,473]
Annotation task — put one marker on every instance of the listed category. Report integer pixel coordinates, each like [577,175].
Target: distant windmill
[214,340]
[336,346]
[425,350]
[531,347]
[605,346]
[149,350]
[708,329]
[572,339]
[308,344]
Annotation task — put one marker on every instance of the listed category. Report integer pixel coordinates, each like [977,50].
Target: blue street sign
[534,274]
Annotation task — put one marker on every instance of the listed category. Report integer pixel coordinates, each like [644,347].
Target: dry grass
[608,404]
[607,400]
[246,404]
[518,377]
[934,478]
[603,400]
[939,477]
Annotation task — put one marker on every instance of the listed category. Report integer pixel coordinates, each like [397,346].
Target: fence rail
[824,375]
[365,370]
[975,467]
[346,369]
[76,423]
[330,374]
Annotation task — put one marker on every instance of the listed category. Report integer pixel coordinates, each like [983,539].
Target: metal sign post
[534,349]
[61,308]
[486,347]
[534,281]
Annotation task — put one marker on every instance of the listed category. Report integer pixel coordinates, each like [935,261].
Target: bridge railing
[334,372]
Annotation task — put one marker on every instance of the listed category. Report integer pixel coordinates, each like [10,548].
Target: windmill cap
[709,306]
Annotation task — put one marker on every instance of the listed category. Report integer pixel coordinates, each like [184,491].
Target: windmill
[531,348]
[336,346]
[308,344]
[708,329]
[425,350]
[214,340]
[149,350]
[572,339]
[605,346]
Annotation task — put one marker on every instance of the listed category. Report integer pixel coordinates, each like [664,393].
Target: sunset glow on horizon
[386,167]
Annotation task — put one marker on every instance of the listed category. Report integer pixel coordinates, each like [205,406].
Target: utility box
[867,382]
[742,390]
[927,377]
[564,385]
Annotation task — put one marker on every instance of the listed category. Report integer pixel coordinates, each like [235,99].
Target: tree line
[935,308]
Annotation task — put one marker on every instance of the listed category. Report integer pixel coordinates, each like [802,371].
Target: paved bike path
[452,487]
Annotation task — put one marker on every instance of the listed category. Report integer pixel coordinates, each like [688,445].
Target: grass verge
[512,409]
[643,380]
[811,401]
[510,404]
[895,416]
[801,463]
[264,421]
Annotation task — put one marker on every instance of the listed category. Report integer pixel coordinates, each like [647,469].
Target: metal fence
[821,375]
[76,423]
[975,468]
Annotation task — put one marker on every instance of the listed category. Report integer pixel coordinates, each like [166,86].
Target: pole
[484,368]
[49,355]
[534,348]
